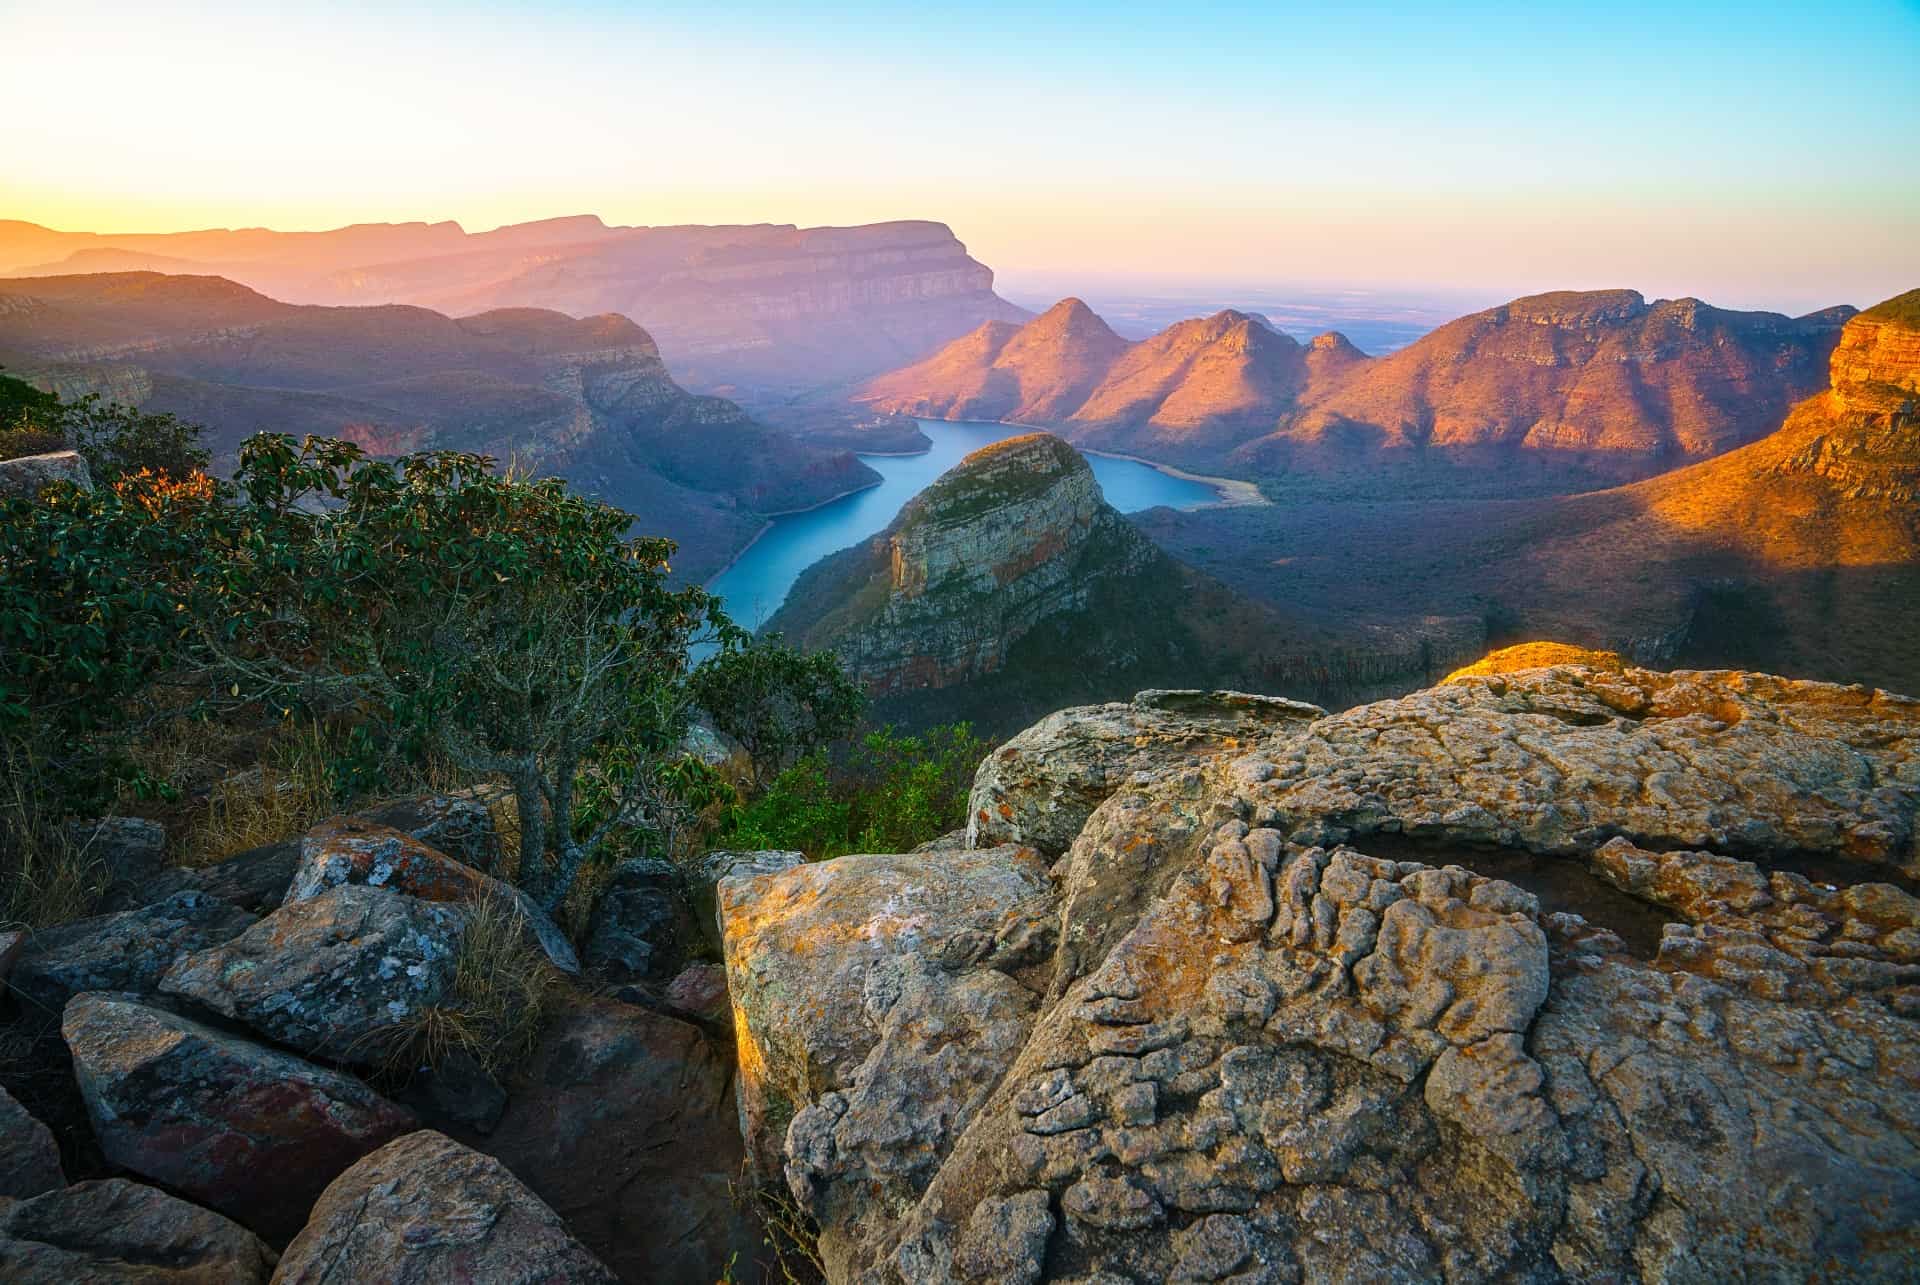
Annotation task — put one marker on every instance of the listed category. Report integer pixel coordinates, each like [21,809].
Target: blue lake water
[757,583]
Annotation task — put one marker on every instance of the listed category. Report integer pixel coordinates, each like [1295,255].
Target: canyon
[587,399]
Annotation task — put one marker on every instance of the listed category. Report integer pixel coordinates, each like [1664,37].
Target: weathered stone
[700,992]
[116,1231]
[128,849]
[459,824]
[623,1121]
[1041,786]
[814,958]
[28,475]
[255,880]
[424,1210]
[11,946]
[643,927]
[250,1131]
[29,1158]
[331,974]
[357,851]
[1271,1045]
[715,866]
[126,951]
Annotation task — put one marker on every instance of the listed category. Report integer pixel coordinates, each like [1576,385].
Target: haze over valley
[1073,644]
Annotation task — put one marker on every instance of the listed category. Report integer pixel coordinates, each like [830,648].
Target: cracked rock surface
[1282,1029]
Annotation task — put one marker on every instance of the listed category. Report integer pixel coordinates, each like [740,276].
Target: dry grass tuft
[46,876]
[290,789]
[502,987]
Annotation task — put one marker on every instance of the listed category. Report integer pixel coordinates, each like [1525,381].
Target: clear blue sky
[1767,155]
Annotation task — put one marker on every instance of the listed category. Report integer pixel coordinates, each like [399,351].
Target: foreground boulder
[623,1121]
[424,1210]
[1370,999]
[127,951]
[355,850]
[331,975]
[643,928]
[128,849]
[818,955]
[26,476]
[1041,786]
[116,1231]
[29,1158]
[255,880]
[255,1133]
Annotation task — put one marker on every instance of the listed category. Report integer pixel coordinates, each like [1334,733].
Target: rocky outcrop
[623,1121]
[425,1209]
[1876,367]
[357,851]
[250,1131]
[127,951]
[116,1231]
[128,849]
[1042,785]
[830,960]
[642,928]
[1537,655]
[1037,373]
[29,1158]
[331,974]
[1373,997]
[26,476]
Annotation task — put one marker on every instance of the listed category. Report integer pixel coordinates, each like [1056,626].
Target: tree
[778,702]
[118,441]
[504,622]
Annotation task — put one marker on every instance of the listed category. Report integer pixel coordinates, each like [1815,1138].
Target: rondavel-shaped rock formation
[1579,971]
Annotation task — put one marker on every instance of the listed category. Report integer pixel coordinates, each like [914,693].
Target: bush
[118,441]
[890,794]
[777,701]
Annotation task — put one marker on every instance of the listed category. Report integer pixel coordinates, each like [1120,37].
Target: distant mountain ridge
[770,308]
[1599,383]
[589,399]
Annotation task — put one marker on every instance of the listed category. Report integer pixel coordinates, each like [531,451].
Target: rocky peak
[1576,309]
[1072,321]
[1876,368]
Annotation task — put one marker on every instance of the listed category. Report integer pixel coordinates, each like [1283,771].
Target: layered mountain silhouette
[589,399]
[761,309]
[1596,385]
[1798,553]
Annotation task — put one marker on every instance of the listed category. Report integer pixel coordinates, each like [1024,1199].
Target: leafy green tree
[506,623]
[776,701]
[26,420]
[118,441]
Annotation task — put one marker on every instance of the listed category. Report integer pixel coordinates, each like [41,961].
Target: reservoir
[756,584]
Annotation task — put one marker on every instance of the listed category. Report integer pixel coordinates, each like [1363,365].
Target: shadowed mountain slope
[587,399]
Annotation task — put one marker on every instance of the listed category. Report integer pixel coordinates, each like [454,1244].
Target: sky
[1757,155]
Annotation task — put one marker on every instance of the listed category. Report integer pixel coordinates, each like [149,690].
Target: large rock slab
[424,1210]
[250,1131]
[643,928]
[254,880]
[1562,759]
[332,974]
[623,1121]
[1275,1043]
[1041,786]
[116,1231]
[818,954]
[126,951]
[355,850]
[29,1157]
[28,475]
[129,849]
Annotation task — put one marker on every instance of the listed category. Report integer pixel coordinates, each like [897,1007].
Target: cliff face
[591,399]
[765,307]
[1598,387]
[1015,534]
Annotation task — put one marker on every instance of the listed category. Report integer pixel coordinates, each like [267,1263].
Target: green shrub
[890,793]
[777,701]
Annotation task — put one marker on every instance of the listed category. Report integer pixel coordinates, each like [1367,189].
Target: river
[755,585]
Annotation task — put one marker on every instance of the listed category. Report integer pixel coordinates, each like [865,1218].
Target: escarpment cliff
[1010,577]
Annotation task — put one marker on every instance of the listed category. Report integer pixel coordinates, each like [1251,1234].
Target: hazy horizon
[1225,143]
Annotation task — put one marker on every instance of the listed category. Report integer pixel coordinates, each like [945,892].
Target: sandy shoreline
[1233,493]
